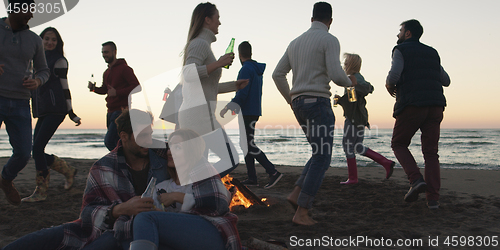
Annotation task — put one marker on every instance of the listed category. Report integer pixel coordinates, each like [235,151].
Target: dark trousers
[254,153]
[428,120]
[45,128]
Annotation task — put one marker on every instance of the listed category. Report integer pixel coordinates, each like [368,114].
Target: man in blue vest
[416,79]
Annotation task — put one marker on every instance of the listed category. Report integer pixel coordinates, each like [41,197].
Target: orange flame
[238,198]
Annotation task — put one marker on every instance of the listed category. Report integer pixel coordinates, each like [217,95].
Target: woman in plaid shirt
[204,221]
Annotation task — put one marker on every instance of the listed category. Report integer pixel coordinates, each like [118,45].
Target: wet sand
[373,209]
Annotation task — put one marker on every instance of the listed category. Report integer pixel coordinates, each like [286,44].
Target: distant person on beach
[356,119]
[112,197]
[416,80]
[314,58]
[51,103]
[21,53]
[196,215]
[197,111]
[249,99]
[118,81]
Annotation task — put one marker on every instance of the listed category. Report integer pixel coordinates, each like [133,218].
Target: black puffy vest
[420,83]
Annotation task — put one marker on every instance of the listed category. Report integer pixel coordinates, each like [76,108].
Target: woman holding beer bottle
[356,119]
[201,67]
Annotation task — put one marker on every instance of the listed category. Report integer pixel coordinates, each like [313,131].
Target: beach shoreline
[470,206]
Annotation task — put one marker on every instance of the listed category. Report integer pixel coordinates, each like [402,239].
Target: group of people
[196,215]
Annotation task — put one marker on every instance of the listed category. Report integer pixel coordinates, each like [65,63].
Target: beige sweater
[198,107]
[314,60]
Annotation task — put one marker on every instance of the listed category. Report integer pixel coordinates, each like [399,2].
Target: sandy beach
[371,210]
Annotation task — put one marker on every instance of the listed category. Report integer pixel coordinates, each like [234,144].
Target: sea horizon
[458,148]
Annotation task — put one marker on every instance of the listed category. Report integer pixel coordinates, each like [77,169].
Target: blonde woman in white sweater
[201,85]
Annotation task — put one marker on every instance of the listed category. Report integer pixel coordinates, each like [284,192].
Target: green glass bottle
[230,49]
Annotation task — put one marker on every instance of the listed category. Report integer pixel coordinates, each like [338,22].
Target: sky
[151,34]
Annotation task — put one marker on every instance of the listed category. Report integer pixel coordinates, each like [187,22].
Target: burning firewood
[242,196]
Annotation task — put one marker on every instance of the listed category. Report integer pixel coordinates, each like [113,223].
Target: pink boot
[352,170]
[386,163]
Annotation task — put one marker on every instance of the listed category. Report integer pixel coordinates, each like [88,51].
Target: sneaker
[433,204]
[10,192]
[417,187]
[273,180]
[249,182]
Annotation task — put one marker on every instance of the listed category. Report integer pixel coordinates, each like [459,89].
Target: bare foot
[301,217]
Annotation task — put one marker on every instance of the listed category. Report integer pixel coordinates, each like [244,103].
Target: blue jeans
[17,117]
[45,239]
[50,239]
[45,128]
[177,231]
[316,119]
[111,138]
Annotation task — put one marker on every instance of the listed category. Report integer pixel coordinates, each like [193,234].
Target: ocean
[458,148]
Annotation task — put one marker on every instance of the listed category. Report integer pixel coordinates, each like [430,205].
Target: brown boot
[40,193]
[62,167]
[10,191]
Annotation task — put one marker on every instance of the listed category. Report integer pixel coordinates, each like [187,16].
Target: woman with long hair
[51,103]
[196,203]
[197,111]
[356,119]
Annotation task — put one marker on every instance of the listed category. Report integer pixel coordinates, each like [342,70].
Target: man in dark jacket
[416,79]
[118,81]
[250,101]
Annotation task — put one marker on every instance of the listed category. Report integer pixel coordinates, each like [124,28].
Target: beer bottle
[230,49]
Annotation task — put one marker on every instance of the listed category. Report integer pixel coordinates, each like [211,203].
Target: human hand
[391,89]
[168,199]
[241,84]
[226,59]
[133,206]
[111,91]
[1,69]
[91,86]
[224,111]
[79,122]
[32,84]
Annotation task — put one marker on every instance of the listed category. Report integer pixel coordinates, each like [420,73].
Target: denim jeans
[45,239]
[177,231]
[15,113]
[111,138]
[45,128]
[315,116]
[254,153]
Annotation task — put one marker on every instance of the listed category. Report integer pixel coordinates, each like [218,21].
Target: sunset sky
[151,35]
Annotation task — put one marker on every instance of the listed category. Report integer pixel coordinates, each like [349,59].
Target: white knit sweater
[314,60]
[194,113]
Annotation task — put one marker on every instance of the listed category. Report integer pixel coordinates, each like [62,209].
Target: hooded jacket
[122,78]
[250,97]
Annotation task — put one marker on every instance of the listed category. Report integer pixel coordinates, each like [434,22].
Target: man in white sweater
[314,58]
